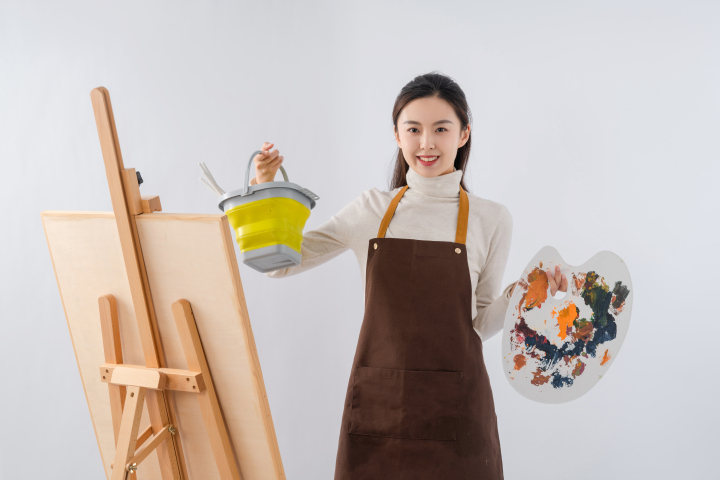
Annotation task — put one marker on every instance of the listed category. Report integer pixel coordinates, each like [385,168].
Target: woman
[419,403]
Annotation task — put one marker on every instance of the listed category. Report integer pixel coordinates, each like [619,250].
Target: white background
[595,123]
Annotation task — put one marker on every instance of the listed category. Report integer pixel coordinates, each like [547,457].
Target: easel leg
[209,404]
[113,354]
[127,438]
[159,417]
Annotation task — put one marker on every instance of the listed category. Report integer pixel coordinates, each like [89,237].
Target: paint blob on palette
[556,349]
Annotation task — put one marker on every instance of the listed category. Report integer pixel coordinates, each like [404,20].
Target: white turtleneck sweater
[427,211]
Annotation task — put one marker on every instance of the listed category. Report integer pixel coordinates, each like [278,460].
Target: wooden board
[189,257]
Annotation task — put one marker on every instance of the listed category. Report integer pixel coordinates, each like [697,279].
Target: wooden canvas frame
[130,358]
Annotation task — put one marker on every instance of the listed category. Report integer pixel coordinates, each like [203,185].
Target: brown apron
[418,404]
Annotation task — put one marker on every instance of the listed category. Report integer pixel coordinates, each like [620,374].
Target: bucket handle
[247,172]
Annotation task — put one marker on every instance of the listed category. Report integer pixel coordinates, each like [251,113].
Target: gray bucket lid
[274,189]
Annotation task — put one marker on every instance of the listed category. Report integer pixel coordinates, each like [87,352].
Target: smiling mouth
[427,160]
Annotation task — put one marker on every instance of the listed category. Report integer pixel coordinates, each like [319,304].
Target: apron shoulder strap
[462,223]
[463,213]
[390,212]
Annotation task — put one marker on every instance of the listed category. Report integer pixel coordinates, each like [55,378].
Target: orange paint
[577,283]
[606,357]
[579,369]
[565,319]
[519,361]
[537,289]
[539,379]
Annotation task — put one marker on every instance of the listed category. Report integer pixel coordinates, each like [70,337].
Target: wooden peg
[151,203]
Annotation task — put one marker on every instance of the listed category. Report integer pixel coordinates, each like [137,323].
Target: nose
[426,141]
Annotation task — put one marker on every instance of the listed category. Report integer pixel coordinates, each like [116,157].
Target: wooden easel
[132,385]
[169,367]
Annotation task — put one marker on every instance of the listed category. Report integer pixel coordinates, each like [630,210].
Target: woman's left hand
[557,282]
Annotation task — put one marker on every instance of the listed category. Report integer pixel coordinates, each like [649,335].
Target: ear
[397,137]
[464,136]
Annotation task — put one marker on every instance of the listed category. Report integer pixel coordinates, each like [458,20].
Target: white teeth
[428,159]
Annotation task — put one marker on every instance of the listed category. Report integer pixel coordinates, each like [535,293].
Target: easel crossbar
[176,380]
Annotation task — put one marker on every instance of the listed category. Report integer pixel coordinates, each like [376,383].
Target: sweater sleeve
[326,241]
[491,307]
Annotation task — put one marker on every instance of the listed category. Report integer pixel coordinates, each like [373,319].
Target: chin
[431,170]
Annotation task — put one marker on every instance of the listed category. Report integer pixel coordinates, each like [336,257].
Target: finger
[265,149]
[274,153]
[266,146]
[558,275]
[551,282]
[260,160]
[268,165]
[564,284]
[267,157]
[276,162]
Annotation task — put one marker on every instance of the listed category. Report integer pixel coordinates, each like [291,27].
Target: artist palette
[556,350]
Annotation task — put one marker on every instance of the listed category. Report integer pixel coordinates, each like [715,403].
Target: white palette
[556,350]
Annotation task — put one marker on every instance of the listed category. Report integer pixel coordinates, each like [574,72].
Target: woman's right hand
[266,164]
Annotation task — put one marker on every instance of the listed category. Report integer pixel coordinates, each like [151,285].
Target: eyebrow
[418,123]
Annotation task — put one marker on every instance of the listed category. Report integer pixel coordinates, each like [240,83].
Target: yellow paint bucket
[268,220]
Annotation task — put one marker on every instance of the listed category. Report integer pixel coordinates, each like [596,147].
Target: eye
[413,128]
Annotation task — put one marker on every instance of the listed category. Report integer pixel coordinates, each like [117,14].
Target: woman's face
[428,128]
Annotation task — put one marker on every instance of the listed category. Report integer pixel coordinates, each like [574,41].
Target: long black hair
[433,84]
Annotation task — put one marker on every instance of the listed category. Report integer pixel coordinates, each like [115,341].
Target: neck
[443,185]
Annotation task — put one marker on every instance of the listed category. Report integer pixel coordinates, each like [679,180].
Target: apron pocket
[418,404]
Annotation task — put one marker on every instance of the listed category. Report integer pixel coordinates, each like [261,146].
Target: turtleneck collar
[447,185]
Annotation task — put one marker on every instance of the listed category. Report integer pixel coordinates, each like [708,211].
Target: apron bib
[418,404]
